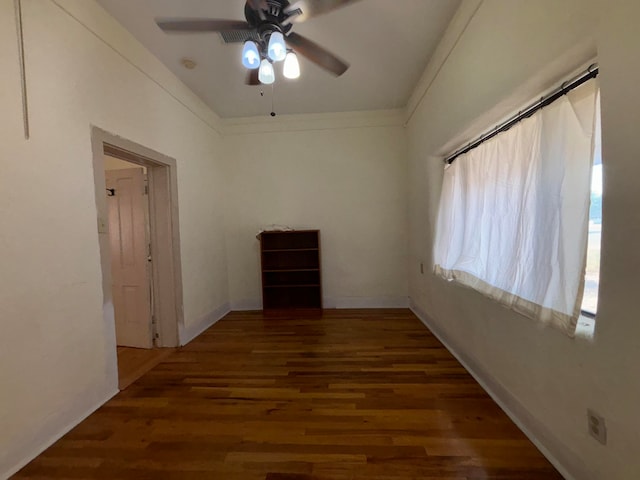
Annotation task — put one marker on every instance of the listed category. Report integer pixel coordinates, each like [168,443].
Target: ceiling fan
[267,36]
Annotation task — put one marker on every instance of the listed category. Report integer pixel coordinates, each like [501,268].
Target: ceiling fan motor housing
[270,19]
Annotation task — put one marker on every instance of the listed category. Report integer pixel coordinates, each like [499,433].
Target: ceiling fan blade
[317,54]
[313,8]
[252,77]
[199,25]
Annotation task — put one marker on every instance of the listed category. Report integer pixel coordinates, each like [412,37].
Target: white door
[129,257]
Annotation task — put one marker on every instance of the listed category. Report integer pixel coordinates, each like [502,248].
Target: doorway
[136,198]
[130,250]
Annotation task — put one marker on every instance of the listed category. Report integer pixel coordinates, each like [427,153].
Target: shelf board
[279,250]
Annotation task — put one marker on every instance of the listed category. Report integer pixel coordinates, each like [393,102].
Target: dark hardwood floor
[353,395]
[135,362]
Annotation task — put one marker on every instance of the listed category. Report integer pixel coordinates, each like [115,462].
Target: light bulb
[277,49]
[291,67]
[250,55]
[266,74]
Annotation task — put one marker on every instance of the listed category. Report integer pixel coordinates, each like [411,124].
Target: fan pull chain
[273,94]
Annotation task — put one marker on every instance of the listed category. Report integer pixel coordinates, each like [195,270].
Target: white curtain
[514,212]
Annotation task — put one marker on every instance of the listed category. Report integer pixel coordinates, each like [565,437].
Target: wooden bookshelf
[290,263]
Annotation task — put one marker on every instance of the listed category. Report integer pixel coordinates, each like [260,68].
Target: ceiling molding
[380,77]
[452,35]
[104,27]
[313,121]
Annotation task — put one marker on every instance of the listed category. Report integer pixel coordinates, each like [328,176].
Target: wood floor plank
[350,395]
[135,362]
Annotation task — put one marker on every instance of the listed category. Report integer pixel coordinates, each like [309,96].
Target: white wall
[344,174]
[57,359]
[506,55]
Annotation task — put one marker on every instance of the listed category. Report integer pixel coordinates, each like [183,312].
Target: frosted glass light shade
[266,74]
[250,55]
[291,67]
[277,49]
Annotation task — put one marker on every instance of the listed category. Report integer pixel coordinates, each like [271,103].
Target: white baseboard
[192,331]
[52,430]
[561,457]
[334,302]
[366,302]
[246,305]
[60,424]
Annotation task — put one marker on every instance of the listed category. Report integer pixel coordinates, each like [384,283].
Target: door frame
[166,266]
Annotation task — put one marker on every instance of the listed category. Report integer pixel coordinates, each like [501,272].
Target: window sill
[586,328]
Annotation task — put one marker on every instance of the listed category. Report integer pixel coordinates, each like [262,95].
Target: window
[592,271]
[515,213]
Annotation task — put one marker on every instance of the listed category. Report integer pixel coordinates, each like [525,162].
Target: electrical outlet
[421,268]
[597,427]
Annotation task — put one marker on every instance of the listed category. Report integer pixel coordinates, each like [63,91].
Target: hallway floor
[355,394]
[135,362]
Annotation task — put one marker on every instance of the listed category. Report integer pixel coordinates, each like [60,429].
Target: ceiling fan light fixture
[291,68]
[277,50]
[250,55]
[266,74]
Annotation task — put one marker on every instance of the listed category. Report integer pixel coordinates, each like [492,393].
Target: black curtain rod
[566,87]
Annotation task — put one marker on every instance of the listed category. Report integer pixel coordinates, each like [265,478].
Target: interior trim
[166,269]
[247,305]
[313,122]
[56,427]
[366,302]
[188,333]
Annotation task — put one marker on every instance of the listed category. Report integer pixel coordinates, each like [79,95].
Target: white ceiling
[387,42]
